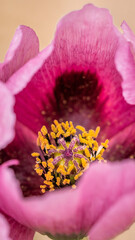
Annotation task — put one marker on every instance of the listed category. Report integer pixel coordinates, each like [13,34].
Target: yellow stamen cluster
[64,155]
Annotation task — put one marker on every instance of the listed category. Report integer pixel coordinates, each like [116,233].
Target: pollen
[65,154]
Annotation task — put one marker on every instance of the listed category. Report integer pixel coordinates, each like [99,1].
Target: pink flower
[75,78]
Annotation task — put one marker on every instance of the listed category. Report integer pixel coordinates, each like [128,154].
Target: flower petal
[73,211]
[19,80]
[7,116]
[125,63]
[80,71]
[109,199]
[18,231]
[116,220]
[24,46]
[4,228]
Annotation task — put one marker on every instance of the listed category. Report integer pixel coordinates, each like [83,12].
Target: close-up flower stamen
[65,155]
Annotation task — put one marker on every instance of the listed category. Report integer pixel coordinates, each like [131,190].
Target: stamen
[65,155]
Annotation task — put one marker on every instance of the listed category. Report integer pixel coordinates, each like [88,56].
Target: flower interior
[64,154]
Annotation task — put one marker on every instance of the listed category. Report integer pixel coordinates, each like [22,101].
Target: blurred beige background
[42,16]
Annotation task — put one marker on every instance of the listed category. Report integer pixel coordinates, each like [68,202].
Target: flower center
[64,155]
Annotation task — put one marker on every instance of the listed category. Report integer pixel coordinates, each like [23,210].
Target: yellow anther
[87,153]
[38,160]
[49,183]
[37,165]
[105,144]
[71,124]
[58,181]
[56,122]
[78,175]
[52,186]
[67,124]
[49,176]
[43,190]
[47,146]
[80,128]
[74,186]
[97,131]
[54,129]
[99,157]
[59,133]
[50,165]
[67,134]
[82,140]
[85,134]
[102,151]
[39,171]
[95,148]
[39,134]
[43,145]
[61,170]
[84,163]
[44,130]
[42,186]
[44,164]
[50,160]
[91,133]
[52,146]
[66,181]
[90,144]
[73,132]
[53,135]
[93,158]
[70,169]
[35,154]
[64,125]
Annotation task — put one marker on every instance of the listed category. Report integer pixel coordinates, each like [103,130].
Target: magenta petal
[7,116]
[4,229]
[19,80]
[110,199]
[116,220]
[78,43]
[80,67]
[128,34]
[125,63]
[73,211]
[24,46]
[18,231]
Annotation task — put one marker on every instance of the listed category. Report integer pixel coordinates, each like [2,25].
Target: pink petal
[19,80]
[128,34]
[125,62]
[69,211]
[110,199]
[78,51]
[7,116]
[4,229]
[117,219]
[24,46]
[18,231]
